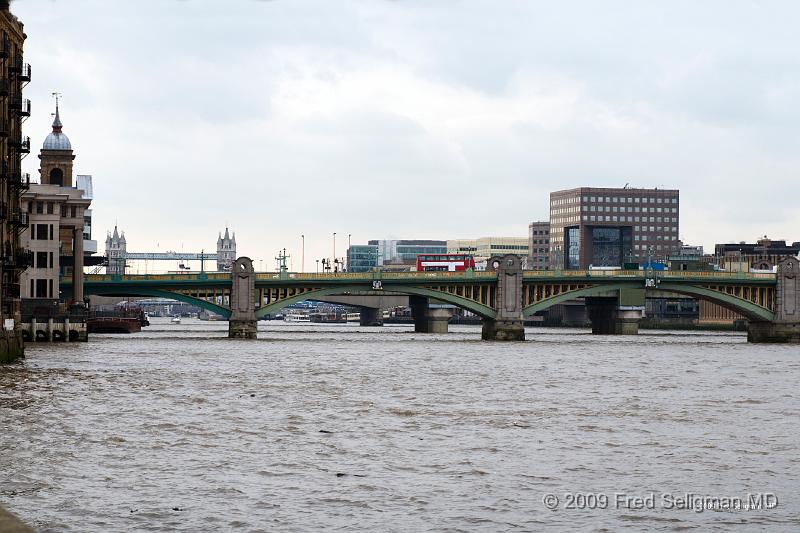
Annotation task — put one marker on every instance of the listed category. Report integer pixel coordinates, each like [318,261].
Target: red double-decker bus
[444,262]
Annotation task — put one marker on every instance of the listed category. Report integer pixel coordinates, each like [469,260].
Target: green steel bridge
[505,293]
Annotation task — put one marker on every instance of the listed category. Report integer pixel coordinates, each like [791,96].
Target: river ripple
[317,428]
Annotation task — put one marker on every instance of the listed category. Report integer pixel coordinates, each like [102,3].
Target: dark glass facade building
[362,257]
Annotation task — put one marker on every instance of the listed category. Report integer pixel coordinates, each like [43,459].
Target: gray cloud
[410,118]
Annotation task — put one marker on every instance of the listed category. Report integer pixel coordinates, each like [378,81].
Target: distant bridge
[502,296]
[168,256]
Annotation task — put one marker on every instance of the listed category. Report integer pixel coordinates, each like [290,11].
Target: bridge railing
[661,274]
[156,277]
[375,275]
[444,276]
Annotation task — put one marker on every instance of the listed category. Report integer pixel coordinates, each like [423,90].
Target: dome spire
[57,122]
[56,140]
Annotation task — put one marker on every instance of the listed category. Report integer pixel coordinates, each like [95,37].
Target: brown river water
[343,428]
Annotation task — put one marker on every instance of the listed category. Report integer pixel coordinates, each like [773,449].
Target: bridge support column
[785,327]
[507,325]
[427,320]
[369,316]
[616,316]
[242,323]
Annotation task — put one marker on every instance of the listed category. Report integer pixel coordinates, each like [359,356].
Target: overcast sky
[415,118]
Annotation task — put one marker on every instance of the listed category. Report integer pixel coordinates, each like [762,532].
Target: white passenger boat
[297,317]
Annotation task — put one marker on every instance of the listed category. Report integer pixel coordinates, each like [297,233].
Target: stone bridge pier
[785,327]
[618,315]
[242,323]
[370,316]
[427,320]
[508,324]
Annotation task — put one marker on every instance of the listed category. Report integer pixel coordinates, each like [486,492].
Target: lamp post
[348,252]
[317,266]
[334,245]
[303,254]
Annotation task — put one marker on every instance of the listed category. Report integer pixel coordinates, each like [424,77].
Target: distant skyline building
[406,250]
[116,252]
[362,257]
[539,245]
[611,226]
[395,252]
[758,254]
[485,247]
[226,251]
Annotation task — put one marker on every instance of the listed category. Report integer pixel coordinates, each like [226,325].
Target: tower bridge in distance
[503,296]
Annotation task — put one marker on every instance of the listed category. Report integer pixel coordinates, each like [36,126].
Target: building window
[49,208]
[39,207]
[573,247]
[64,210]
[57,177]
[41,288]
[41,232]
[41,259]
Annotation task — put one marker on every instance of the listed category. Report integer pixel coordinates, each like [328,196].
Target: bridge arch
[163,293]
[474,307]
[745,308]
[595,290]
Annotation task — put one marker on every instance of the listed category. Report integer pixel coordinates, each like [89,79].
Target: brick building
[13,147]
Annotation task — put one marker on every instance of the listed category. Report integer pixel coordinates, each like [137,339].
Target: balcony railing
[22,106]
[25,73]
[19,218]
[10,290]
[22,144]
[17,257]
[20,180]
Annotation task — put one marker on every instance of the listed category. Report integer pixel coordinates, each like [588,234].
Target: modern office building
[362,257]
[609,227]
[400,254]
[13,147]
[539,245]
[406,250]
[486,247]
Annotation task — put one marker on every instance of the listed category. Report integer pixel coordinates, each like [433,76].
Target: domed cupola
[56,156]
[56,140]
